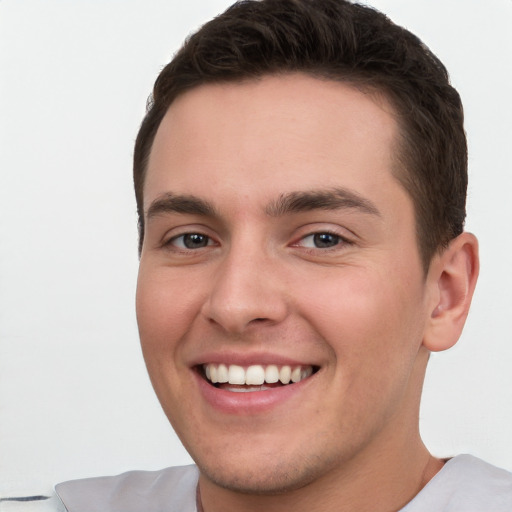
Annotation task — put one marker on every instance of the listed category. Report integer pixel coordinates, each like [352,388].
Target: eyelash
[172,241]
[340,240]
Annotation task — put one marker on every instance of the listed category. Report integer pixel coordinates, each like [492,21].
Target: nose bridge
[247,287]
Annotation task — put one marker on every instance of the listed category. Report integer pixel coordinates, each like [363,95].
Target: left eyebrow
[324,199]
[186,204]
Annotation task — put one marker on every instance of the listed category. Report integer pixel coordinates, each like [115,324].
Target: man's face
[278,241]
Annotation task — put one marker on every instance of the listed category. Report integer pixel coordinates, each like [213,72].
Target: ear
[452,278]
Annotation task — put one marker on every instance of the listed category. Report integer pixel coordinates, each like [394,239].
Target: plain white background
[75,400]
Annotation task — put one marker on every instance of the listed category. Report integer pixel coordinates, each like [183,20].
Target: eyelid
[346,236]
[341,243]
[313,235]
[181,231]
[182,247]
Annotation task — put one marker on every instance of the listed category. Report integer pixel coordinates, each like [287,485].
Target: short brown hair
[341,41]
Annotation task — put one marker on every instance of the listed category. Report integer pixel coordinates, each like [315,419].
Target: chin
[265,482]
[265,477]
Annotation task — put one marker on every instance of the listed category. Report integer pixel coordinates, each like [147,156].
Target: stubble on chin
[274,479]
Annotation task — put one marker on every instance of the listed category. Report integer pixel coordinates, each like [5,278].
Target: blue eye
[321,240]
[191,241]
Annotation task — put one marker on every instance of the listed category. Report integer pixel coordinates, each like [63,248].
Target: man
[300,179]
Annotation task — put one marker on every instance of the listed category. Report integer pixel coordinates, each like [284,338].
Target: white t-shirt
[464,484]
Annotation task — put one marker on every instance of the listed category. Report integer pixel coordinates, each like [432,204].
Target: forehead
[264,137]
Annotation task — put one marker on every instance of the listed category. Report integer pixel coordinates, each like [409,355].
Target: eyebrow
[187,204]
[292,202]
[324,199]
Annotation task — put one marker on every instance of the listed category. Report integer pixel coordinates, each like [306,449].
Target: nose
[248,289]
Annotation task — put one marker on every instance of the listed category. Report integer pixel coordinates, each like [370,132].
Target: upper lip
[248,359]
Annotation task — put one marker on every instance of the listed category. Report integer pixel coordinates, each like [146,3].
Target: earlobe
[452,279]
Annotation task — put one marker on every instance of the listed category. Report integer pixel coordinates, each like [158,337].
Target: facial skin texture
[361,311]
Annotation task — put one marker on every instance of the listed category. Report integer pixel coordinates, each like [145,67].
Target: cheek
[369,320]
[165,310]
[164,316]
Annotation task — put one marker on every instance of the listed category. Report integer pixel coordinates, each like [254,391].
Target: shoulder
[466,484]
[171,489]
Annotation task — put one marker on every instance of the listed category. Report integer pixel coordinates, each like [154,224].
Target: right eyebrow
[174,203]
[336,198]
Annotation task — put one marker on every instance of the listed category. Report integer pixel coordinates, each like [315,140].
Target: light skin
[276,231]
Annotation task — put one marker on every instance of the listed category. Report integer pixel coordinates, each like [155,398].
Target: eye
[321,240]
[191,241]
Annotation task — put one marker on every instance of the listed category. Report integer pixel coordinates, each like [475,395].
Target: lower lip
[252,402]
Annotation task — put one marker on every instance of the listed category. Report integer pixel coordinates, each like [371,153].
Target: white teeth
[236,375]
[213,374]
[285,374]
[222,373]
[271,374]
[304,374]
[296,374]
[255,375]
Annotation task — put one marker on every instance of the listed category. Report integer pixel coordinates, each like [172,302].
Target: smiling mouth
[255,377]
